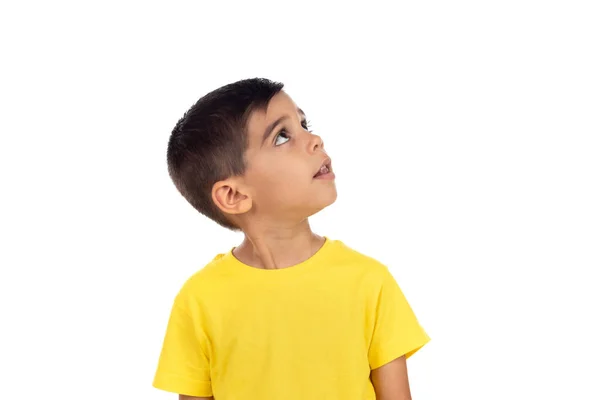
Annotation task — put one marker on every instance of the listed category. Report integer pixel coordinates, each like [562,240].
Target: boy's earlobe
[230,197]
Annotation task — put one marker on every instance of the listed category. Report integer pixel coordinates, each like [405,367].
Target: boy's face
[282,161]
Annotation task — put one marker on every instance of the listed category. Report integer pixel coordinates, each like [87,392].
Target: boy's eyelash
[307,122]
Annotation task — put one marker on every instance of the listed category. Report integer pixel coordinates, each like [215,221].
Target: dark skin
[272,201]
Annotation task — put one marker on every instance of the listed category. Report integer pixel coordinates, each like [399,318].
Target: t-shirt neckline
[293,269]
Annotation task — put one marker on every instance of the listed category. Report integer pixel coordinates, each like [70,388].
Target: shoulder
[360,262]
[200,282]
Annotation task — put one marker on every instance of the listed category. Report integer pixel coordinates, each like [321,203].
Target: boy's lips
[325,171]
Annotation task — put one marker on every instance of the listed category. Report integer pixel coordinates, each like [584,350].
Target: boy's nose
[316,143]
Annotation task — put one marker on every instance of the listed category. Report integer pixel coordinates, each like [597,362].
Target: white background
[465,138]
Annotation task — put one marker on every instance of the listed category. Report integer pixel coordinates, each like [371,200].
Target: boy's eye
[283,134]
[306,125]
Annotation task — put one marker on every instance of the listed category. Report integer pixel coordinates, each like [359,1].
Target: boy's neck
[278,247]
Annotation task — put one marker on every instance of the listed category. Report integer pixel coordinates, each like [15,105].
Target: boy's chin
[332,198]
[322,206]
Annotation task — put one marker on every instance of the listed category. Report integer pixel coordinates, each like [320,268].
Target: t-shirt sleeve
[183,365]
[396,331]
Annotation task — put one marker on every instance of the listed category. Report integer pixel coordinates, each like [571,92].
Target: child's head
[243,155]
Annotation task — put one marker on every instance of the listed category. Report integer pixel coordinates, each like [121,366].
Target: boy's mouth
[325,171]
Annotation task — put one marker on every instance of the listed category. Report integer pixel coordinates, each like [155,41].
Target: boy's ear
[231,197]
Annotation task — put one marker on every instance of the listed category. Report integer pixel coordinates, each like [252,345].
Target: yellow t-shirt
[310,331]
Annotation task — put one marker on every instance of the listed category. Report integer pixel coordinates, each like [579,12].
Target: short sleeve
[183,365]
[396,331]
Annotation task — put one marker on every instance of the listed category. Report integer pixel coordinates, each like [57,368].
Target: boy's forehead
[279,105]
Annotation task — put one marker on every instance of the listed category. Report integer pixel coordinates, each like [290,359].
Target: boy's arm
[391,380]
[184,397]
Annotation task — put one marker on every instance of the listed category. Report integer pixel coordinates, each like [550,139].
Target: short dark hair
[209,142]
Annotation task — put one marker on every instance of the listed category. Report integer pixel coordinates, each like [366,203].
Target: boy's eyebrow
[273,124]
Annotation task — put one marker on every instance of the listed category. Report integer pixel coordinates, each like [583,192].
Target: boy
[287,314]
